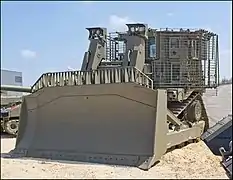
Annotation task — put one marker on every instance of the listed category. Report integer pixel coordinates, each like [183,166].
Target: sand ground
[192,161]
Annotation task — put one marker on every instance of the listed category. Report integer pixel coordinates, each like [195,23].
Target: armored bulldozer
[137,95]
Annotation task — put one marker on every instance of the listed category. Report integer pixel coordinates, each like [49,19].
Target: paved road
[218,106]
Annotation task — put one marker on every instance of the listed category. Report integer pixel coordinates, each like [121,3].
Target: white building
[13,78]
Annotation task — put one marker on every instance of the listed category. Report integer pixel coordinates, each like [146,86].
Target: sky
[38,37]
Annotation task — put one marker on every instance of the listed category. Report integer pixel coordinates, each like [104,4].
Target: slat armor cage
[183,57]
[174,58]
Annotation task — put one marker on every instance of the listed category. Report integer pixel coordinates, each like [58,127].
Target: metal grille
[211,64]
[185,58]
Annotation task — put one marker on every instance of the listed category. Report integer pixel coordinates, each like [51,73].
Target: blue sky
[38,37]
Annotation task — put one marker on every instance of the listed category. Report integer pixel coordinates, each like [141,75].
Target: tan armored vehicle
[10,112]
[138,94]
[10,109]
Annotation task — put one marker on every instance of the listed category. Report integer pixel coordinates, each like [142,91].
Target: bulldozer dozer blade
[121,124]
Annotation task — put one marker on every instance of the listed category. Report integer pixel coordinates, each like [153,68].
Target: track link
[179,107]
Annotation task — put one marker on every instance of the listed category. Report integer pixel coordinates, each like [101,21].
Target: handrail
[100,76]
[146,77]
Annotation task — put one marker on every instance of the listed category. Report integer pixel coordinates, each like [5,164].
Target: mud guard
[121,124]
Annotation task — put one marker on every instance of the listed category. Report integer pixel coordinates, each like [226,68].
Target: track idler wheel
[11,127]
[195,111]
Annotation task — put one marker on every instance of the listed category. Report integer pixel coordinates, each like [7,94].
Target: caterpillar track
[120,114]
[179,109]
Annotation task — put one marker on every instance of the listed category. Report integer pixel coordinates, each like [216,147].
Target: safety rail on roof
[100,76]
